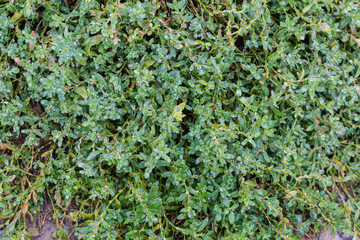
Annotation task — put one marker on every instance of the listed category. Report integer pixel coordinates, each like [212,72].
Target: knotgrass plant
[182,119]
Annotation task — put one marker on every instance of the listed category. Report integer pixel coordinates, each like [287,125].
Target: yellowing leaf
[31,44]
[17,60]
[26,206]
[149,63]
[355,40]
[177,114]
[5,146]
[16,16]
[12,178]
[86,214]
[33,34]
[338,163]
[291,194]
[82,92]
[70,218]
[115,41]
[45,154]
[35,197]
[251,183]
[325,28]
[302,74]
[18,31]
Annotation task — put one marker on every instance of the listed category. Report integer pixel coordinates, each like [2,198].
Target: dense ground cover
[179,119]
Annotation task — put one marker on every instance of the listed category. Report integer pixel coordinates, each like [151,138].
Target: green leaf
[231,218]
[95,40]
[92,155]
[202,225]
[277,112]
[274,56]
[80,59]
[357,74]
[307,8]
